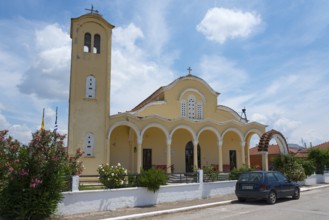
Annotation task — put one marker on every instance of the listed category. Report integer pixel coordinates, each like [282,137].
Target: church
[180,127]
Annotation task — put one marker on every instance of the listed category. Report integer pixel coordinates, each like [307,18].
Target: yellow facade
[165,130]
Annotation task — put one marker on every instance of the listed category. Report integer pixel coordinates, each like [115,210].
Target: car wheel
[296,194]
[271,199]
[241,199]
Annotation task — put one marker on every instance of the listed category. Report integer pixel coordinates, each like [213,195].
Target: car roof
[262,171]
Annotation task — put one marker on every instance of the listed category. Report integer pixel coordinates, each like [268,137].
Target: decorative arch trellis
[264,143]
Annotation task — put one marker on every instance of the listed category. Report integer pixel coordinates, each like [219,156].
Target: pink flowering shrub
[32,177]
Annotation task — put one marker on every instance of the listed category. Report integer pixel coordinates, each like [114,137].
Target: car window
[255,177]
[251,177]
[280,177]
[271,178]
[244,177]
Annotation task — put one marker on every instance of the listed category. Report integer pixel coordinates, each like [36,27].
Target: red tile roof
[273,149]
[323,146]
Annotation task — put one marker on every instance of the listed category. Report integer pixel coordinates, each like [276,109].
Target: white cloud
[222,74]
[48,76]
[50,37]
[154,25]
[259,118]
[4,124]
[220,24]
[125,38]
[21,132]
[134,76]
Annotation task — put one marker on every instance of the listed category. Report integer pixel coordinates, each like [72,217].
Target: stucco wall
[111,199]
[317,179]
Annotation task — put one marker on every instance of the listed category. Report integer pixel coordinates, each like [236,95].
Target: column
[220,156]
[195,154]
[168,156]
[243,156]
[264,160]
[107,151]
[248,154]
[139,156]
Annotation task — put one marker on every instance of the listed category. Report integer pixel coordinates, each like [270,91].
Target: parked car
[269,185]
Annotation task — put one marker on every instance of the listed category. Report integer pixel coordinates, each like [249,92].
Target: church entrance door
[189,155]
[147,159]
[232,159]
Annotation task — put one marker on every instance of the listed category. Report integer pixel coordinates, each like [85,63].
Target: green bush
[320,158]
[236,172]
[290,167]
[210,173]
[308,165]
[152,179]
[112,176]
[33,176]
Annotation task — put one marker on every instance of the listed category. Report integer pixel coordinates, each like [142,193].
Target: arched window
[97,44]
[199,110]
[89,145]
[191,107]
[183,108]
[90,87]
[87,43]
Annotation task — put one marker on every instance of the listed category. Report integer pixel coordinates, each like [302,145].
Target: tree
[290,167]
[32,177]
[320,158]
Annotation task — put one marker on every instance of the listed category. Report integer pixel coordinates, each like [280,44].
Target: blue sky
[268,56]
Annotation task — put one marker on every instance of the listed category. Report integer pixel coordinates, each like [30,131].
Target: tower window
[90,87]
[89,145]
[87,43]
[97,44]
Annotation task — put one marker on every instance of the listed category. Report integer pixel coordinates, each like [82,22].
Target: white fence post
[200,176]
[75,183]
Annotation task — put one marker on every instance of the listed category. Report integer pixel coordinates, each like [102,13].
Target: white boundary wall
[111,199]
[317,179]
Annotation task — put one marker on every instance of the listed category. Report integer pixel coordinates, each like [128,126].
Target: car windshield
[250,177]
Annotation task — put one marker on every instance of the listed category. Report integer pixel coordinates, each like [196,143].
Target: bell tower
[90,80]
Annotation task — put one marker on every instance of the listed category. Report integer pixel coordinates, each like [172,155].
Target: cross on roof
[92,11]
[189,70]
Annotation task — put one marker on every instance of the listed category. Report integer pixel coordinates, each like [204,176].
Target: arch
[238,132]
[253,131]
[248,137]
[156,125]
[279,138]
[208,128]
[192,77]
[183,127]
[193,90]
[125,123]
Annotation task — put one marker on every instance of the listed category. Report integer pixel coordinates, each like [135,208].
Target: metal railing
[216,176]
[92,181]
[132,180]
[182,177]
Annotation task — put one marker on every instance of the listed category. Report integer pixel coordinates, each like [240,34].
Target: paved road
[312,205]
